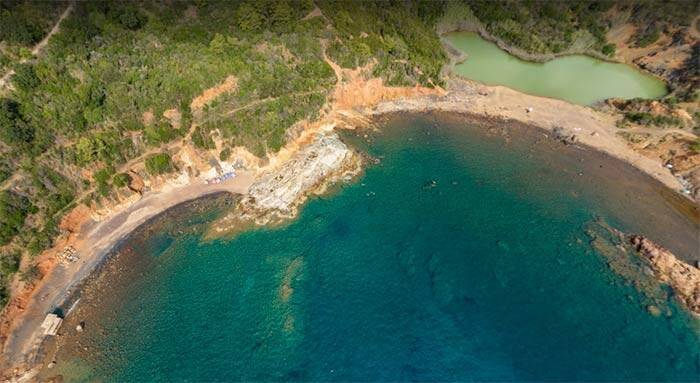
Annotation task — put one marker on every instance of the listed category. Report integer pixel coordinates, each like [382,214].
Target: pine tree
[249,19]
[281,15]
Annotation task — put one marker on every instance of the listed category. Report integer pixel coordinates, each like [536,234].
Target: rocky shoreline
[683,278]
[669,59]
[276,195]
[281,191]
[571,123]
[317,157]
[271,194]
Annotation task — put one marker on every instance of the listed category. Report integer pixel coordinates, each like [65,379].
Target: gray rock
[282,189]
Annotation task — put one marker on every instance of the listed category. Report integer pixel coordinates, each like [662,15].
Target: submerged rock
[683,278]
[653,310]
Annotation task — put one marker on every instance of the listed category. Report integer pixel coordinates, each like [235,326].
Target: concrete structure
[51,324]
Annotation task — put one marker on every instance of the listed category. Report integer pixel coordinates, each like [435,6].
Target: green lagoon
[578,79]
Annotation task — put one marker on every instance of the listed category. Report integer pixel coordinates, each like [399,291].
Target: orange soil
[210,94]
[22,292]
[174,116]
[356,89]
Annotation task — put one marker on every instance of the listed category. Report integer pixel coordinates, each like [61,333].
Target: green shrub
[158,164]
[4,293]
[647,37]
[17,31]
[160,133]
[646,118]
[695,146]
[14,208]
[38,242]
[127,15]
[6,169]
[608,49]
[25,78]
[671,101]
[9,262]
[121,180]
[202,139]
[101,178]
[225,154]
[14,130]
[249,18]
[544,26]
[31,274]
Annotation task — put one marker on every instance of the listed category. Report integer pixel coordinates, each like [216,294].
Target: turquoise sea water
[577,79]
[460,256]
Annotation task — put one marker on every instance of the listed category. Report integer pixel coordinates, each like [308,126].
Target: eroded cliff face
[683,278]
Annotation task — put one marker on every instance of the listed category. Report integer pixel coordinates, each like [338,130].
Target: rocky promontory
[278,192]
[683,278]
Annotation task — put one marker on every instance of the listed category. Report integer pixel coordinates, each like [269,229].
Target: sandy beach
[355,103]
[93,245]
[590,127]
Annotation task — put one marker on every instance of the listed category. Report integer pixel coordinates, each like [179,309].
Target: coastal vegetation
[98,101]
[23,25]
[13,210]
[545,26]
[646,118]
[158,164]
[555,26]
[112,62]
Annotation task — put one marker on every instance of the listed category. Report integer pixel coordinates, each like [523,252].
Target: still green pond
[577,79]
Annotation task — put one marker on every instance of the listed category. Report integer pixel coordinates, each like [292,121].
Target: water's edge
[484,122]
[492,130]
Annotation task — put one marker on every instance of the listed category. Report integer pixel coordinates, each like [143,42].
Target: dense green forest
[23,24]
[555,26]
[73,116]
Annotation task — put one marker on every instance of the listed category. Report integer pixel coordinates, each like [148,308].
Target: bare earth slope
[311,154]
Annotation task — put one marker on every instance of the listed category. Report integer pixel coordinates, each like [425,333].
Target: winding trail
[4,80]
[336,68]
[41,44]
[593,128]
[269,99]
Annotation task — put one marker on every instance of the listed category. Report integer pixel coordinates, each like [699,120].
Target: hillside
[121,89]
[124,93]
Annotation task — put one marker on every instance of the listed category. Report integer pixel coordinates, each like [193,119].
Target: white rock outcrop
[285,187]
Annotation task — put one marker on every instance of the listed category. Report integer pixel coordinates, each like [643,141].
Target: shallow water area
[578,79]
[461,255]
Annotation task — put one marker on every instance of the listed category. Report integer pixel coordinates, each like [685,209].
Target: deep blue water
[461,256]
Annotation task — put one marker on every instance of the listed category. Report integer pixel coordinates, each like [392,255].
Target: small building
[51,324]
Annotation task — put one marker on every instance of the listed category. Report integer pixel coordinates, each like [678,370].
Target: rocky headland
[683,278]
[277,193]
